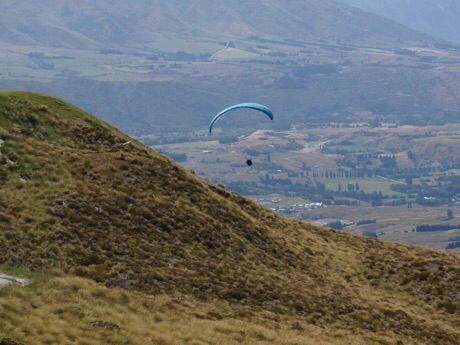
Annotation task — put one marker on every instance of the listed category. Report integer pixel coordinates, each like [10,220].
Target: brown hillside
[85,23]
[79,196]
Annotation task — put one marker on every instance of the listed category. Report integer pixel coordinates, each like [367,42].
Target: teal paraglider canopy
[254,106]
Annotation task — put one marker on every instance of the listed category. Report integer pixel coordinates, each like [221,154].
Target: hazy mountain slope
[77,195]
[83,23]
[189,105]
[439,18]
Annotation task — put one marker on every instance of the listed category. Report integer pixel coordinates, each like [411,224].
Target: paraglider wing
[254,106]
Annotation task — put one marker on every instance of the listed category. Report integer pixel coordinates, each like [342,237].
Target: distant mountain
[282,43]
[85,23]
[82,198]
[439,18]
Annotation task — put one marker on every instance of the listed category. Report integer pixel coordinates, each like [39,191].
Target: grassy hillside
[80,198]
[78,311]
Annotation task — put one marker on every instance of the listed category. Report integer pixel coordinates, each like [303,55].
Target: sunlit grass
[74,310]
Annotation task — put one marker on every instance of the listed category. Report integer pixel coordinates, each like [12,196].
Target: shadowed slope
[78,195]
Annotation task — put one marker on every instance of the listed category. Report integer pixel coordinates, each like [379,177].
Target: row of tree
[436,227]
[453,245]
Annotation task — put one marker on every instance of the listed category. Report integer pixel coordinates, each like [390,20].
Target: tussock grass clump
[70,310]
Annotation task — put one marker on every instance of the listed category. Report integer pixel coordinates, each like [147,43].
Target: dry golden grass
[79,200]
[70,310]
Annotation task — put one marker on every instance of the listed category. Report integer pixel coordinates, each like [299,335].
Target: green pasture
[25,73]
[368,185]
[172,43]
[352,148]
[453,129]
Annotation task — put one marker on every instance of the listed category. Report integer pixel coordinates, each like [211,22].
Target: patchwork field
[289,167]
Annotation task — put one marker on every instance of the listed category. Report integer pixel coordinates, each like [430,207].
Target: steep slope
[435,17]
[84,23]
[79,196]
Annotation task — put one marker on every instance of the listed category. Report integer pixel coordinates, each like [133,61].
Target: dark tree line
[453,245]
[435,227]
